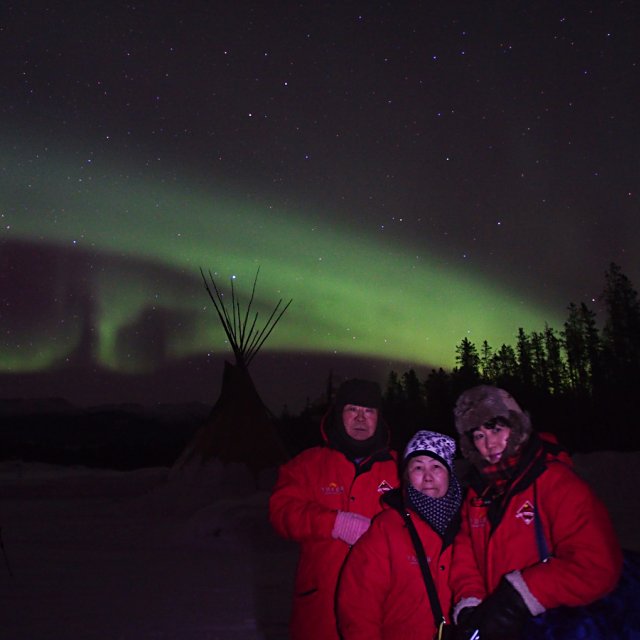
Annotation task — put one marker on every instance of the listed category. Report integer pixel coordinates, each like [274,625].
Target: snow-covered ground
[144,556]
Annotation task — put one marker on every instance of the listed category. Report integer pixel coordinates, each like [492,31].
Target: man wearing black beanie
[325,497]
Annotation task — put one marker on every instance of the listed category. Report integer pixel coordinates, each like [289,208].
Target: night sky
[408,173]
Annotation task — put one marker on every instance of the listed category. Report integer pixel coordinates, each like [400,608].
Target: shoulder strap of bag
[426,574]
[541,541]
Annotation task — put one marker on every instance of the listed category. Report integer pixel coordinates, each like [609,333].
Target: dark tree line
[580,382]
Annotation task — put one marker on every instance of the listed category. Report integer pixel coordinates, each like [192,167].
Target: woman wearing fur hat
[325,498]
[534,536]
[383,590]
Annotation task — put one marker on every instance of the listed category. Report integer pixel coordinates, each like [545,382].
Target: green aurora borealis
[141,238]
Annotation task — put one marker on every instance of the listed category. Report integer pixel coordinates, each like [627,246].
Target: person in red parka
[382,592]
[533,535]
[325,497]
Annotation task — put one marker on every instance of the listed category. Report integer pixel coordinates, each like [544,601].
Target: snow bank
[139,555]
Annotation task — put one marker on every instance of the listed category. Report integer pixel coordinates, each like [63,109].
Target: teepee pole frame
[244,343]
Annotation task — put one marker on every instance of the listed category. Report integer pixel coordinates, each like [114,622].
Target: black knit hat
[363,393]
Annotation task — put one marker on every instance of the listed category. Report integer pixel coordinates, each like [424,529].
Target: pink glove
[349,526]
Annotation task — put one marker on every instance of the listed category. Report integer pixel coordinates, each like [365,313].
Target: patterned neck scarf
[499,475]
[437,512]
[497,483]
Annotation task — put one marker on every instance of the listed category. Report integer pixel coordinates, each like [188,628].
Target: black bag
[614,617]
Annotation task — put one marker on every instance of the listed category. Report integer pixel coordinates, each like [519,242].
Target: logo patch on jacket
[413,559]
[332,489]
[526,512]
[384,486]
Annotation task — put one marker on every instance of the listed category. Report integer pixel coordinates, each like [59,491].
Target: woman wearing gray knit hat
[533,536]
[395,582]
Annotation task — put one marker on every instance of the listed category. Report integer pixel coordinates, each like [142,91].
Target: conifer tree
[487,363]
[411,386]
[506,365]
[576,348]
[622,327]
[525,367]
[556,369]
[393,393]
[467,373]
[539,369]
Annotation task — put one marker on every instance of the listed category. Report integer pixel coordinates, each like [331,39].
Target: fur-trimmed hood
[478,405]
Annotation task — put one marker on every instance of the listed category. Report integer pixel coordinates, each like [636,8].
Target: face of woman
[491,441]
[429,476]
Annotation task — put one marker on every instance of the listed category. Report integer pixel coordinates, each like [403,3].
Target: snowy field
[141,555]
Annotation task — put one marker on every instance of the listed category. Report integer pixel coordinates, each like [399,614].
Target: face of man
[429,476]
[491,441]
[359,422]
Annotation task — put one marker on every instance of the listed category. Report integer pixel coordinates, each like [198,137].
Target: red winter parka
[586,559]
[310,490]
[382,594]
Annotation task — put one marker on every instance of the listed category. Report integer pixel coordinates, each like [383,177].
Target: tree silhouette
[539,368]
[467,372]
[506,365]
[581,344]
[393,392]
[556,368]
[525,359]
[487,363]
[578,383]
[622,328]
[439,400]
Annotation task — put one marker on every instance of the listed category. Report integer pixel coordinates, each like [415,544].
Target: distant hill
[120,436]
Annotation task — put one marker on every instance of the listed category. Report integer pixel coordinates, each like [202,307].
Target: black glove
[500,616]
[463,629]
